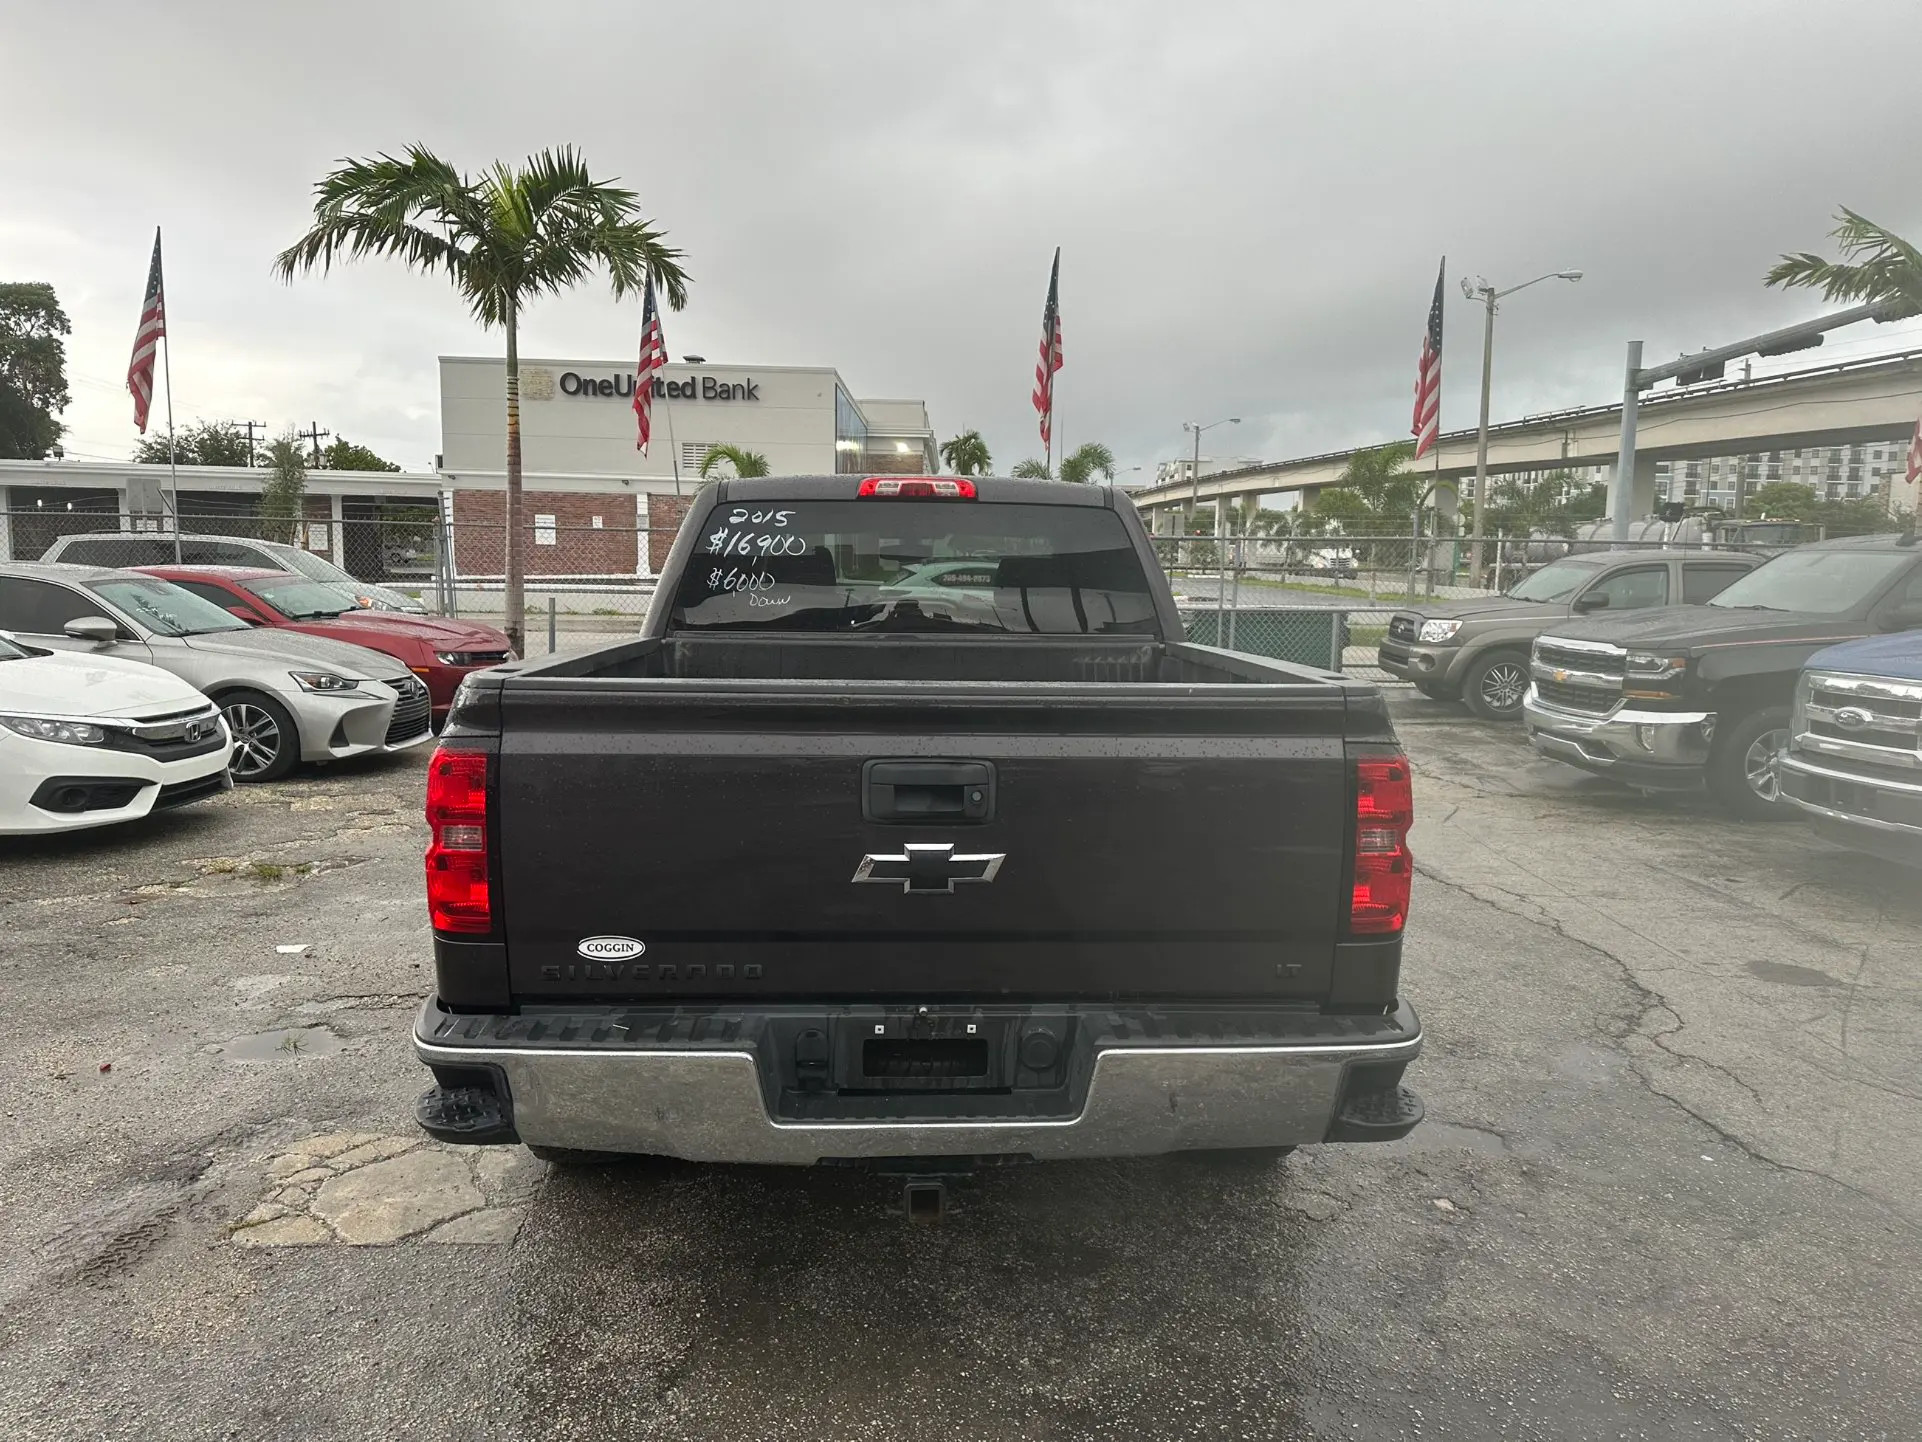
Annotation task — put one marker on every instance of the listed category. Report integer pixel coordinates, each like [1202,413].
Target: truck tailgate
[1153,839]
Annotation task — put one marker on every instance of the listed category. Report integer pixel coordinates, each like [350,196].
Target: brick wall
[664,517]
[574,546]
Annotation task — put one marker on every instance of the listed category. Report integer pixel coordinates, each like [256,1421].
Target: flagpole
[173,458]
[673,446]
[1054,411]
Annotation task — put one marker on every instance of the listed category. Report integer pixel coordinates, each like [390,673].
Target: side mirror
[1907,618]
[244,614]
[97,629]
[1593,601]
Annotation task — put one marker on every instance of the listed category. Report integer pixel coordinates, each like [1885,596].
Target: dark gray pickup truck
[831,866]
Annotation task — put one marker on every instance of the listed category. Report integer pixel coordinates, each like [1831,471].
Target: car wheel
[1741,767]
[1495,685]
[266,741]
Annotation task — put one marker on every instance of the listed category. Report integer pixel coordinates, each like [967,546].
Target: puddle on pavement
[1788,974]
[1435,1136]
[1582,1063]
[282,1044]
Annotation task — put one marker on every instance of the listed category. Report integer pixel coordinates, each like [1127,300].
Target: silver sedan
[287,697]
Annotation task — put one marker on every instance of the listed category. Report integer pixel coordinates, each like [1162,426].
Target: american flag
[653,361]
[1050,358]
[146,340]
[1915,453]
[1428,379]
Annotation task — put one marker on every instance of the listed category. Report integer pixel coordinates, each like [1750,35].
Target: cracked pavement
[1667,1188]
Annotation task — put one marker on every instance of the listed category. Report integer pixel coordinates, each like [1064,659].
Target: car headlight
[73,733]
[324,683]
[1654,666]
[1433,631]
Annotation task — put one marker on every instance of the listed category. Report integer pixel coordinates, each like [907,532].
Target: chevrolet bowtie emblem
[1561,675]
[929,867]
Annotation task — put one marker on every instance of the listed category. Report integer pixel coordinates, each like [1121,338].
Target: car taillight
[942,490]
[1384,866]
[457,895]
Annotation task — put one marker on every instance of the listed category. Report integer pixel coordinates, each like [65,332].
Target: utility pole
[313,433]
[251,427]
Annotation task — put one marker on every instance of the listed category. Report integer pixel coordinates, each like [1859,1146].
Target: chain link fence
[1322,601]
[1326,600]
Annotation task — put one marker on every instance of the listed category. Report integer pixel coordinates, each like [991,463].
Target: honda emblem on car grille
[929,867]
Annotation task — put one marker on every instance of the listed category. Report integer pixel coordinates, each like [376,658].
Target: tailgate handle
[927,791]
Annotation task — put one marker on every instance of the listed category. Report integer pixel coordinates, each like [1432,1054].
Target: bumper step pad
[471,1116]
[1378,1116]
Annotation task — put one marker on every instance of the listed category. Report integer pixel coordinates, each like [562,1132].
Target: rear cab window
[1701,580]
[919,566]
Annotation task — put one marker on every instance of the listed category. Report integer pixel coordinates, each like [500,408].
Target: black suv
[1667,699]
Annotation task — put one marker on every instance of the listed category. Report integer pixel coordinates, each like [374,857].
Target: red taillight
[904,486]
[457,896]
[1384,866]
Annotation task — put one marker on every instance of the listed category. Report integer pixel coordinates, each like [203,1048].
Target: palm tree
[967,454]
[503,238]
[1879,266]
[1031,470]
[746,463]
[1081,466]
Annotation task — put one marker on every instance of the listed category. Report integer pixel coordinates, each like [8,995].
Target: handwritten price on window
[751,543]
[733,578]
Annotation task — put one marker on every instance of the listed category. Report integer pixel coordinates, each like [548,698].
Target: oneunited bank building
[581,471]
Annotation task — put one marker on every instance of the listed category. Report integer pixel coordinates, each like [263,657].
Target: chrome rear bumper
[709,1104]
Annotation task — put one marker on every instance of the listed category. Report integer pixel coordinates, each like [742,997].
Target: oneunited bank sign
[694,388]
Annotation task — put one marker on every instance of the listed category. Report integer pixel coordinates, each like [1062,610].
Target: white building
[594,504]
[578,423]
[1867,470]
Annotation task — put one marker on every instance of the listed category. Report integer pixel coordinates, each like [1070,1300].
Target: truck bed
[1126,660]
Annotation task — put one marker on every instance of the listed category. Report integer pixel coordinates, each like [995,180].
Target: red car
[438,650]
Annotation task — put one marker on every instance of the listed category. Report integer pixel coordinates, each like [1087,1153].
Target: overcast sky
[1251,199]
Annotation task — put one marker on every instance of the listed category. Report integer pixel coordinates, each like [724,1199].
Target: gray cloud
[1251,198]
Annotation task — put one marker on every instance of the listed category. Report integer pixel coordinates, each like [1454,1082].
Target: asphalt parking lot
[1668,1187]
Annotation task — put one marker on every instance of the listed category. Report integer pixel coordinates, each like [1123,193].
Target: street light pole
[1481,437]
[1480,288]
[1194,476]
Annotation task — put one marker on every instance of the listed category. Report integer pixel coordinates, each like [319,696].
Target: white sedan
[91,740]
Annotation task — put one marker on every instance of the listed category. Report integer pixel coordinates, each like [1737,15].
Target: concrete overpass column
[1641,490]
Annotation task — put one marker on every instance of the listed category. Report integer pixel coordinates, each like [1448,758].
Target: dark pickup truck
[1669,699]
[819,869]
